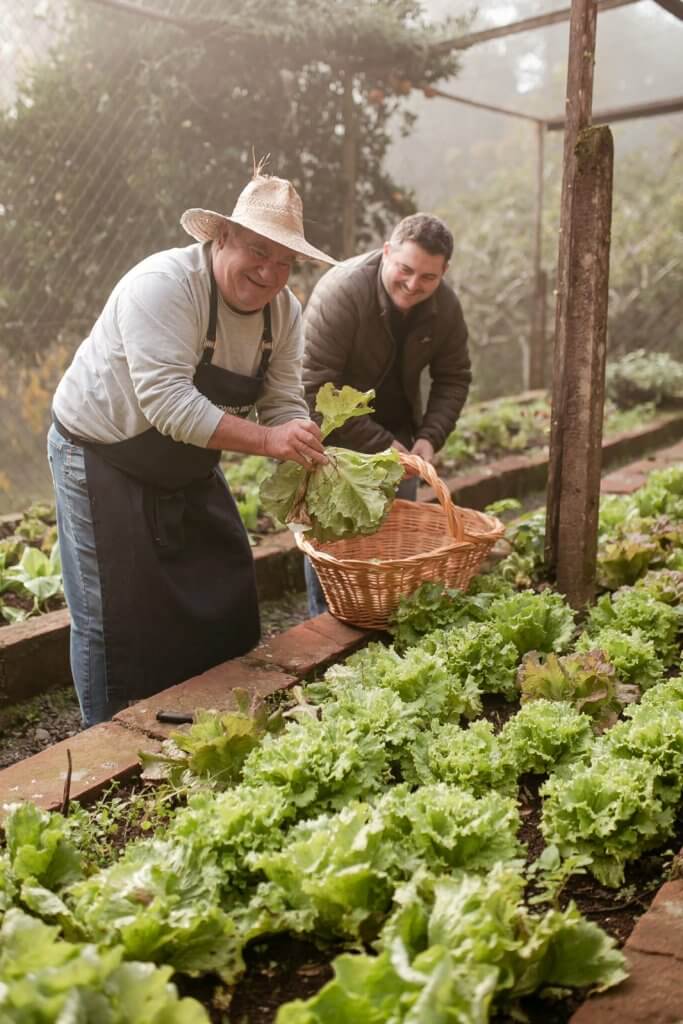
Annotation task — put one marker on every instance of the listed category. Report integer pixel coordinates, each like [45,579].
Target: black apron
[176,569]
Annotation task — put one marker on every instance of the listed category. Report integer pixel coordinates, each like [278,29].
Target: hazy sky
[638,59]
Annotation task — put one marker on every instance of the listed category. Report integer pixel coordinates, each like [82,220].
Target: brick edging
[653,991]
[109,751]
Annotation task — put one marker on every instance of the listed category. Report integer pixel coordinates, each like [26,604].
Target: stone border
[109,751]
[34,655]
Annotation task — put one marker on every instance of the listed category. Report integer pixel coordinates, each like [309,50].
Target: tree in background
[132,121]
[493,226]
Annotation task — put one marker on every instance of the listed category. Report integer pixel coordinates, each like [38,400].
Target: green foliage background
[130,121]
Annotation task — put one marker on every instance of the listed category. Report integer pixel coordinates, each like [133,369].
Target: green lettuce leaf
[215,747]
[351,494]
[477,653]
[432,607]
[45,978]
[545,735]
[632,608]
[587,681]
[633,655]
[321,765]
[41,847]
[534,622]
[339,405]
[471,759]
[608,810]
[336,872]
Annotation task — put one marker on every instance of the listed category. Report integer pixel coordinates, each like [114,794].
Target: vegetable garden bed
[379,810]
[34,654]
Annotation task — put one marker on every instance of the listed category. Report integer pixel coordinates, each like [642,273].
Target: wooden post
[578,113]
[537,347]
[349,168]
[584,380]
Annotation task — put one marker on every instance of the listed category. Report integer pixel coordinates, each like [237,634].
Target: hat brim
[205,225]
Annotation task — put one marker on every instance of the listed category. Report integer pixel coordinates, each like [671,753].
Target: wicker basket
[363,578]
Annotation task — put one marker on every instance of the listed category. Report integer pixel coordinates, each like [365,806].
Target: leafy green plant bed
[448,818]
[492,430]
[485,432]
[30,569]
[30,572]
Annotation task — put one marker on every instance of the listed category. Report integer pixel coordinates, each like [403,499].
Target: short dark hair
[430,233]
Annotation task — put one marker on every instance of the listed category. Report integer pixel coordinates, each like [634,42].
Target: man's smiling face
[249,269]
[410,274]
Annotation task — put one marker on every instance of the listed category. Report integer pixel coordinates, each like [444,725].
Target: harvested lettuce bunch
[351,494]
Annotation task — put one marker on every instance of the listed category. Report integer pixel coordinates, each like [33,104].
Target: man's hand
[399,447]
[423,448]
[298,440]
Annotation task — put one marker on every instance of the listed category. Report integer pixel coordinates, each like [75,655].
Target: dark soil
[28,728]
[33,725]
[284,968]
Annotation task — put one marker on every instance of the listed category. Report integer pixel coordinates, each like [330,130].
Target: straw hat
[269,206]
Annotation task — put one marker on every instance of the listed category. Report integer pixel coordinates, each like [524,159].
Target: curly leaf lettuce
[45,978]
[471,759]
[534,622]
[477,653]
[456,950]
[543,736]
[633,655]
[631,609]
[608,810]
[587,681]
[432,607]
[350,494]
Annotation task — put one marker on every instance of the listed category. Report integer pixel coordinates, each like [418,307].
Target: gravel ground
[27,728]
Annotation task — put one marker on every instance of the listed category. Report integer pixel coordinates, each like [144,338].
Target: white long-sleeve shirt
[135,369]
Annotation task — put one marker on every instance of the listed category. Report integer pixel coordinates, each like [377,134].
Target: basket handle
[429,475]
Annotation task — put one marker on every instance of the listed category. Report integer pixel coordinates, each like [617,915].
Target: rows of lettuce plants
[30,568]
[378,809]
[484,433]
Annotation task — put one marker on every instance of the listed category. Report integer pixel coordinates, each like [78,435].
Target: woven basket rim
[379,563]
[471,540]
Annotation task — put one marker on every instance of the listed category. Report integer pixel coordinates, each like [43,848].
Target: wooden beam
[584,383]
[430,91]
[654,109]
[525,25]
[579,98]
[537,355]
[674,7]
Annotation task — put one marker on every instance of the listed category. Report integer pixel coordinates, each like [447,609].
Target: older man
[377,321]
[158,573]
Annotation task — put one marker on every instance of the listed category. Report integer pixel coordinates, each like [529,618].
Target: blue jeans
[81,576]
[316,599]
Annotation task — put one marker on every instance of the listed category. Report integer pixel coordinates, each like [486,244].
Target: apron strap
[210,343]
[267,341]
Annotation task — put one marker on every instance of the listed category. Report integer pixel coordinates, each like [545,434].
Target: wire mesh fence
[116,115]
[103,143]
